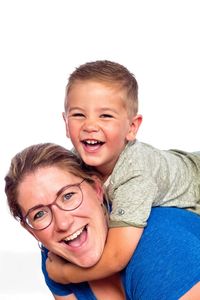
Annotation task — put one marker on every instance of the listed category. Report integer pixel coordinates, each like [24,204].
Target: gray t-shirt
[145,176]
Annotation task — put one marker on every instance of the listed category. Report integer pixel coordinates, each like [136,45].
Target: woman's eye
[39,215]
[68,196]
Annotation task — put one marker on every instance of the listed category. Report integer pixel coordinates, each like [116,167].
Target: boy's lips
[91,144]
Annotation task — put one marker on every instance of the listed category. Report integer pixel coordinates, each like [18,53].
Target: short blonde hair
[108,72]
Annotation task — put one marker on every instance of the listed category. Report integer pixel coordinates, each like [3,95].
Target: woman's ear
[134,127]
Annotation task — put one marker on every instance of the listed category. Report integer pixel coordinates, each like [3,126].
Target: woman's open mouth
[77,238]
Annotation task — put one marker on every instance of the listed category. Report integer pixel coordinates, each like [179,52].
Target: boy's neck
[107,169]
[104,175]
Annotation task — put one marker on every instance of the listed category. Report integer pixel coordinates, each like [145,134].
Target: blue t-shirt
[165,265]
[81,290]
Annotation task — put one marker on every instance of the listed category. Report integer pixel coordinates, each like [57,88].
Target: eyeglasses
[69,198]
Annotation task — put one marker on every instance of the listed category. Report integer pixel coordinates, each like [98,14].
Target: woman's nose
[62,219]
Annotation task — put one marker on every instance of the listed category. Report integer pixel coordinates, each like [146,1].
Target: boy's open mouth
[92,144]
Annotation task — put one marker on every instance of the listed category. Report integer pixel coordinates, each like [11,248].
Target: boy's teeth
[74,235]
[91,142]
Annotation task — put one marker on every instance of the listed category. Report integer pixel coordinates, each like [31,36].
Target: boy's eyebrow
[102,109]
[109,109]
[75,107]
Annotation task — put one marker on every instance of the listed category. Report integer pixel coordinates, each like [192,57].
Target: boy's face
[97,123]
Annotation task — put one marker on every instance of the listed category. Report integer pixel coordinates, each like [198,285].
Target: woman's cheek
[45,237]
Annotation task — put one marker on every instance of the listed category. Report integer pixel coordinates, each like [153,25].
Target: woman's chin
[88,260]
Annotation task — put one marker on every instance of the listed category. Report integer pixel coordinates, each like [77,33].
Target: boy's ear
[66,124]
[134,126]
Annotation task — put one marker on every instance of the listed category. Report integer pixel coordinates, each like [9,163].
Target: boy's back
[145,176]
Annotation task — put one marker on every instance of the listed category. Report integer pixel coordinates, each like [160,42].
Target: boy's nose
[90,125]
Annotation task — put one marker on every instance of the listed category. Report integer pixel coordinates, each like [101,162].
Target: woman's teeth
[74,235]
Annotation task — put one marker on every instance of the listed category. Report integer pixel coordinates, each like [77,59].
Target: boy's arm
[120,246]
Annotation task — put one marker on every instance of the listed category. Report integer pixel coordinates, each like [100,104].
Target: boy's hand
[54,266]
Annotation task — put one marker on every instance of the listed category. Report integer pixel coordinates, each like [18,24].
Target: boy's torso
[145,176]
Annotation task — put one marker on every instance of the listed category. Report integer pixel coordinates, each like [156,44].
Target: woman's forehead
[43,184]
[47,173]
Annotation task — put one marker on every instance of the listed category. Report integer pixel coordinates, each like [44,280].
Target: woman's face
[78,235]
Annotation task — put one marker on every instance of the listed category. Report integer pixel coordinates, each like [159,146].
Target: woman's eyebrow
[61,190]
[42,204]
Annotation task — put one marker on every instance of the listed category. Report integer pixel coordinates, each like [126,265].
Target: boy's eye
[106,116]
[78,115]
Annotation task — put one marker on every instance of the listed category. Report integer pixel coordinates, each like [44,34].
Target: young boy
[102,121]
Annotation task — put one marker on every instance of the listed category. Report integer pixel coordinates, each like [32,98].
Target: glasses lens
[70,198]
[39,218]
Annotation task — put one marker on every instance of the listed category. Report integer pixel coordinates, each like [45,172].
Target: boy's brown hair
[107,72]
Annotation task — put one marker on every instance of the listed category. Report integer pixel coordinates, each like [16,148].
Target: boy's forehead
[103,91]
[103,83]
[83,88]
[95,86]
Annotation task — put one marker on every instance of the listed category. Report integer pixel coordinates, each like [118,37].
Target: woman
[60,202]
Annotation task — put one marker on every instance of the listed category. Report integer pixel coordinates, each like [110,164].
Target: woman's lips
[77,238]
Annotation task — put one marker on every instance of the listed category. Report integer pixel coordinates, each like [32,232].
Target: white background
[41,44]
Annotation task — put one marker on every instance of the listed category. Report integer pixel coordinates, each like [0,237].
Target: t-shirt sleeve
[56,288]
[132,202]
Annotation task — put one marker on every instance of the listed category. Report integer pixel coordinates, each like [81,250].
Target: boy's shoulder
[134,157]
[134,150]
